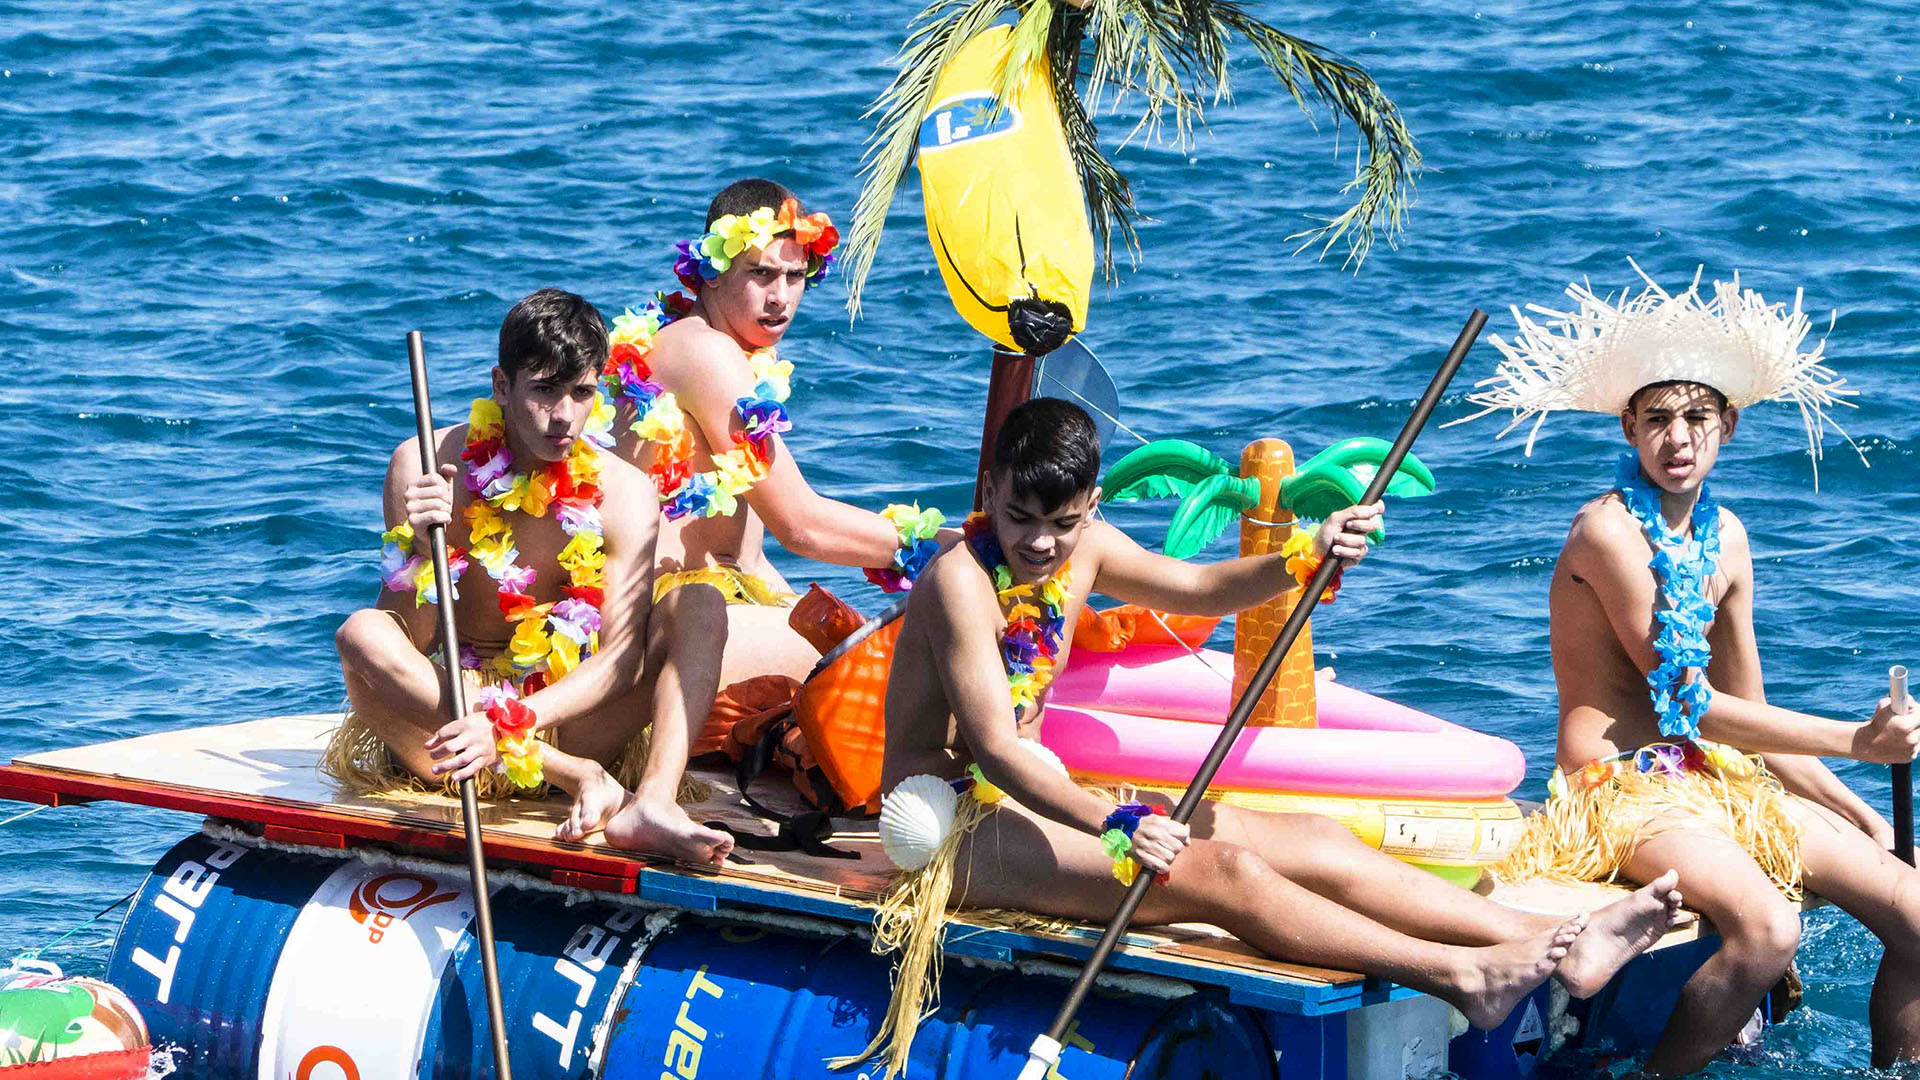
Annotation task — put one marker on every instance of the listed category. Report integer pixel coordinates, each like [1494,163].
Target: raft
[303,933]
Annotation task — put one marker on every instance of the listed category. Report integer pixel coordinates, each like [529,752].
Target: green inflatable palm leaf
[1207,511]
[1166,469]
[1210,493]
[1337,477]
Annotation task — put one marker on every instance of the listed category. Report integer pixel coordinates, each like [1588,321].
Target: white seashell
[915,818]
[1045,754]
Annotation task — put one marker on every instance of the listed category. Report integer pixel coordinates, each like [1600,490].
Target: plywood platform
[263,772]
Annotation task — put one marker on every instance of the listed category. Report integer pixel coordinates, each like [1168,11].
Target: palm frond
[933,40]
[1176,56]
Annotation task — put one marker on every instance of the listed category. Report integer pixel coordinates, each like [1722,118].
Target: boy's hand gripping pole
[457,709]
[1902,774]
[1045,1051]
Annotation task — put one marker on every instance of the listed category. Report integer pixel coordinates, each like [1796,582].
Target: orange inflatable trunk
[1289,700]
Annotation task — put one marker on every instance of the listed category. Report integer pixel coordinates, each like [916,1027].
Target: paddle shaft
[456,709]
[1243,709]
[1902,774]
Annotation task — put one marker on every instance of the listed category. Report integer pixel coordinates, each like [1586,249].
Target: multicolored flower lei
[658,419]
[707,257]
[918,530]
[1117,839]
[1681,569]
[1659,759]
[1032,638]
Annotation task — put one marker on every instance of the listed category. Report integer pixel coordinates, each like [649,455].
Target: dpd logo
[378,901]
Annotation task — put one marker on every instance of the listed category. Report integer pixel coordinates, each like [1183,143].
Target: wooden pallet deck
[263,773]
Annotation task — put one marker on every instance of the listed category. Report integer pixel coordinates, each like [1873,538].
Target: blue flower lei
[1681,572]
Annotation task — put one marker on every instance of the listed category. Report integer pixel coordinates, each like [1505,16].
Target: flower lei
[1117,839]
[1032,638]
[918,530]
[658,419]
[1302,563]
[1658,759]
[1681,571]
[708,256]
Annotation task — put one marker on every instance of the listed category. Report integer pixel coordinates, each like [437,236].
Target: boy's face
[1037,541]
[544,414]
[1677,430]
[755,299]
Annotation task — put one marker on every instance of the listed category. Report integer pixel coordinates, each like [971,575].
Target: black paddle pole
[1045,1051]
[457,708]
[1902,774]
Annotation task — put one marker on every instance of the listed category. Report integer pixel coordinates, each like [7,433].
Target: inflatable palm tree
[1174,54]
[1266,493]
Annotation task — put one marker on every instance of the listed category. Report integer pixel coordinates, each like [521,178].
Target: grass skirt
[359,761]
[1597,818]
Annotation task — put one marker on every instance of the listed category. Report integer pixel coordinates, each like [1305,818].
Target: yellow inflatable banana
[1005,214]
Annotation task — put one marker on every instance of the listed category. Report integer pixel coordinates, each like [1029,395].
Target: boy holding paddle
[552,540]
[980,815]
[1669,756]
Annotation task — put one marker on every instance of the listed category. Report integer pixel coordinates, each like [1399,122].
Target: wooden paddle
[457,709]
[1044,1054]
[1902,774]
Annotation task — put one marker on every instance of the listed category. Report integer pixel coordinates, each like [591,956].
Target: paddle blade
[1167,469]
[1074,373]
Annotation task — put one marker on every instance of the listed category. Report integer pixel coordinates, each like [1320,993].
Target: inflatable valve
[1290,699]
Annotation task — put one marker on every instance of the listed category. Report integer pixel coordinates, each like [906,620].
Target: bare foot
[1496,978]
[1619,932]
[660,827]
[599,797]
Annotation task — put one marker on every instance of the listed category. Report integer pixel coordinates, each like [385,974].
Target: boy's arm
[1610,555]
[418,618]
[713,380]
[630,516]
[1735,669]
[963,633]
[1134,575]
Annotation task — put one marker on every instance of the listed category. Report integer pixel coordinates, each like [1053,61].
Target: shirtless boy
[1297,887]
[555,541]
[1669,756]
[702,405]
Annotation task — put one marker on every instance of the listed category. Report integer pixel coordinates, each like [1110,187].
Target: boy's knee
[1238,869]
[356,636]
[1765,936]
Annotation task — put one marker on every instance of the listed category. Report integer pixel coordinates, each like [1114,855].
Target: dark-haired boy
[1670,758]
[722,607]
[1298,887]
[553,541]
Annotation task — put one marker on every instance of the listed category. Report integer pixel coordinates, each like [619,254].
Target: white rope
[28,814]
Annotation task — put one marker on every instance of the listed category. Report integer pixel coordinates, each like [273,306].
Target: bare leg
[1848,868]
[396,691]
[1322,855]
[1759,931]
[1017,860]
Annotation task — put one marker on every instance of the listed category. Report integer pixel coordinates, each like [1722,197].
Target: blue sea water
[218,221]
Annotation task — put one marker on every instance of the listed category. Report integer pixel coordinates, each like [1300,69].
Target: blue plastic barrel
[560,968]
[711,999]
[198,948]
[348,968]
